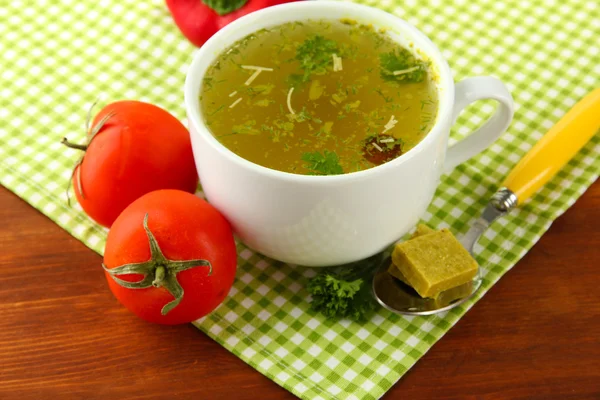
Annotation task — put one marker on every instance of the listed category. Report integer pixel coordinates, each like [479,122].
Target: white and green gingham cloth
[58,56]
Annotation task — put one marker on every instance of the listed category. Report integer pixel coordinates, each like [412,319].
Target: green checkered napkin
[57,57]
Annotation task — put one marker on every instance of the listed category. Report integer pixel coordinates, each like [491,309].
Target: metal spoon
[538,166]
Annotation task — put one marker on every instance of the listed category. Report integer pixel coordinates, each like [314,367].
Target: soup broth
[319,97]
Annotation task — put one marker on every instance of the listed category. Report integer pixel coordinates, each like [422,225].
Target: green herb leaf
[387,99]
[256,90]
[315,54]
[401,66]
[295,80]
[221,107]
[208,83]
[345,293]
[247,128]
[264,102]
[301,116]
[327,163]
[223,7]
[398,142]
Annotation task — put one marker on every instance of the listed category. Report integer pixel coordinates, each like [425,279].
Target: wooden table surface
[535,335]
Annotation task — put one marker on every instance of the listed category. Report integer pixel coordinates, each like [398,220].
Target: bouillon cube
[319,97]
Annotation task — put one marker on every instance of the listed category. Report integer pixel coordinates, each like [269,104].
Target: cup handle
[467,92]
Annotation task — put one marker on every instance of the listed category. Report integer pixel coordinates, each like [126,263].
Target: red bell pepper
[198,20]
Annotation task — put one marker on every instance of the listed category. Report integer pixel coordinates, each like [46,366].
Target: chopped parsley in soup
[319,97]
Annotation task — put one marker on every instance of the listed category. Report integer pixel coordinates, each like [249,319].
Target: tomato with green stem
[132,148]
[170,257]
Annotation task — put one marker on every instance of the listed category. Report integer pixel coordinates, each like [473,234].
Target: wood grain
[535,335]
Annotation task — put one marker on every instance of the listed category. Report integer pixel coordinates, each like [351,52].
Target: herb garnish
[301,116]
[255,90]
[347,293]
[264,102]
[314,55]
[387,99]
[379,149]
[401,66]
[327,163]
[217,110]
[246,128]
[295,80]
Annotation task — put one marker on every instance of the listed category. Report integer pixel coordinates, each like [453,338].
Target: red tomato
[139,148]
[186,228]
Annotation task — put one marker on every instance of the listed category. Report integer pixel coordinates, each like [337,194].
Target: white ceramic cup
[333,220]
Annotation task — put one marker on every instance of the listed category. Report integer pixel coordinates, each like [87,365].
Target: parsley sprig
[327,163]
[399,61]
[346,293]
[314,55]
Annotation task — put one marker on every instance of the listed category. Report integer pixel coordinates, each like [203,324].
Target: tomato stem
[159,276]
[81,147]
[159,271]
[91,134]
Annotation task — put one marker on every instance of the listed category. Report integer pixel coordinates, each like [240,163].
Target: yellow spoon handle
[556,148]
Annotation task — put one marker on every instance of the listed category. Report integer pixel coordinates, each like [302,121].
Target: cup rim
[213,47]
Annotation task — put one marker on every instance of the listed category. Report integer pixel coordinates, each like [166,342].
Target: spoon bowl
[400,298]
